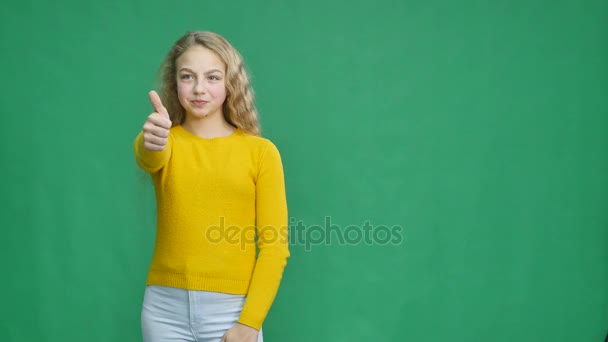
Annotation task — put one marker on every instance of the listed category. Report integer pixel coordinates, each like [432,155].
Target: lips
[199,102]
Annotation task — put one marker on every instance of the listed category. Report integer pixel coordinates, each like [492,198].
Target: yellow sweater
[213,196]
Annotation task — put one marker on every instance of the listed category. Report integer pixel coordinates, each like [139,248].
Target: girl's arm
[272,229]
[151,161]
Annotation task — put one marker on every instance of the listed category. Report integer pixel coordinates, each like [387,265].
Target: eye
[214,78]
[186,77]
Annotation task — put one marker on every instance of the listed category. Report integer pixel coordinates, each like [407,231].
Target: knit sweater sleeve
[151,161]
[272,230]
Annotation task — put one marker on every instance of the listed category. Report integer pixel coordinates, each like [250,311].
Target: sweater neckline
[236,132]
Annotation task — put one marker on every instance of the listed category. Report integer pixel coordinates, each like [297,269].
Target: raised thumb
[157,104]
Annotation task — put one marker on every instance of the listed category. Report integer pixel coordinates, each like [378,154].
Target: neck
[209,127]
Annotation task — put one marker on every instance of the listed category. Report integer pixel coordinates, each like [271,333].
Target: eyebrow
[207,72]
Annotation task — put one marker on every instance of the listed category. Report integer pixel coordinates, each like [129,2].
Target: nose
[199,87]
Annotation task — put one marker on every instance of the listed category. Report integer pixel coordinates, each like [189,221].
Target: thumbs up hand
[156,128]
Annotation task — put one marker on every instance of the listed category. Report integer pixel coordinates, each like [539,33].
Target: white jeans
[172,314]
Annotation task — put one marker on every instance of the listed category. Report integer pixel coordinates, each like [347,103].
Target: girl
[218,185]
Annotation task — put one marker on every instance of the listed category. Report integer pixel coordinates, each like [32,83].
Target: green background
[479,127]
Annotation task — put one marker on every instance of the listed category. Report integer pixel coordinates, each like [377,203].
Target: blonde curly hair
[239,107]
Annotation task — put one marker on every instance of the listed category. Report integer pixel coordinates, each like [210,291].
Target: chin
[199,114]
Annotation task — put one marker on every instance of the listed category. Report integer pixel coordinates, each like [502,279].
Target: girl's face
[200,82]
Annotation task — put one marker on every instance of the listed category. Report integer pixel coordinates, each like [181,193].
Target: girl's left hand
[241,333]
